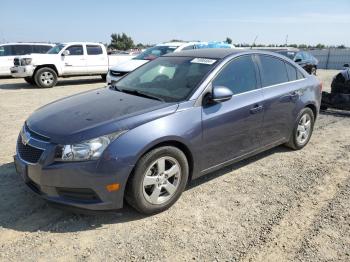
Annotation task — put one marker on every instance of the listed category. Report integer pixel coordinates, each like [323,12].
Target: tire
[29,80]
[45,77]
[104,77]
[295,142]
[147,188]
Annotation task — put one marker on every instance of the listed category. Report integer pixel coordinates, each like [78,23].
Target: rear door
[96,59]
[232,128]
[75,62]
[281,88]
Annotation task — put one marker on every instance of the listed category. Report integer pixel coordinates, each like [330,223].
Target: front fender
[183,127]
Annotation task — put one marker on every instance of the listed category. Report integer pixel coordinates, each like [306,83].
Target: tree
[121,42]
[320,46]
[228,40]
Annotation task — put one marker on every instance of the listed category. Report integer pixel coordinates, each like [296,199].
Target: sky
[153,21]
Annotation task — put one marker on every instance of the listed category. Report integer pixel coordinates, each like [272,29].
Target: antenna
[254,42]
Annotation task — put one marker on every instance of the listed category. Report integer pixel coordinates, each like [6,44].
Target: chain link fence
[331,58]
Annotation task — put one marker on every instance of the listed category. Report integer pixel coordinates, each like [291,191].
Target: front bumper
[22,71]
[111,78]
[76,184]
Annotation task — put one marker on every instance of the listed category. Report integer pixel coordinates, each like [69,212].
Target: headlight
[26,61]
[87,150]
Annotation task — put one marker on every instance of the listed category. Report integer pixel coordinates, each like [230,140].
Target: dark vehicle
[302,58]
[171,120]
[339,98]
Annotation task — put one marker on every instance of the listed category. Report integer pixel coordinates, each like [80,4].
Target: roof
[28,43]
[220,53]
[174,44]
[217,53]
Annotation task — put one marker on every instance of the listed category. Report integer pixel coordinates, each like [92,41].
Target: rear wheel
[158,181]
[29,80]
[45,77]
[303,129]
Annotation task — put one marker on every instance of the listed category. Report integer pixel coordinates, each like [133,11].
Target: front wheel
[45,77]
[302,130]
[158,180]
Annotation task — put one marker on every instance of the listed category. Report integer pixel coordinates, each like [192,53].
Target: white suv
[9,51]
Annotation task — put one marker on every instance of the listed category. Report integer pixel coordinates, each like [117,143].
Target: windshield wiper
[139,93]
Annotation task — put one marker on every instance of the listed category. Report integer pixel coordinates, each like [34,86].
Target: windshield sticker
[205,61]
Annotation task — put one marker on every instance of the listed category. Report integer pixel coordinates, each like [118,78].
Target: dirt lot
[280,205]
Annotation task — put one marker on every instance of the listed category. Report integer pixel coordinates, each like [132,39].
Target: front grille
[28,153]
[78,194]
[118,73]
[16,62]
[35,135]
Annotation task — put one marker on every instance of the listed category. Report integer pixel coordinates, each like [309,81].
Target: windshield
[154,52]
[56,49]
[171,79]
[289,54]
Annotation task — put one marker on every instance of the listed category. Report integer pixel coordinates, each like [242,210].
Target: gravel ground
[277,206]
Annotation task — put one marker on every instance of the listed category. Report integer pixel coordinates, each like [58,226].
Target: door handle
[256,109]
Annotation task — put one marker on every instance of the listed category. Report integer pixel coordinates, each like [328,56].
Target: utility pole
[286,40]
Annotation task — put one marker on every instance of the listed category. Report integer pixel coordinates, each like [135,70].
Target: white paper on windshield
[205,61]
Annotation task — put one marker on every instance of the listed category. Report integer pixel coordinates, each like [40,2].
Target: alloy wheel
[161,180]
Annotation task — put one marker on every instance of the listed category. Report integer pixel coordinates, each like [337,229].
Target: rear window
[273,71]
[94,50]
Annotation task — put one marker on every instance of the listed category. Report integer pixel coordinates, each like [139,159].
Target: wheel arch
[174,143]
[313,108]
[46,65]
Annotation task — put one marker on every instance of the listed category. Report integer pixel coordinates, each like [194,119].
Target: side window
[94,50]
[298,56]
[190,47]
[239,75]
[75,50]
[5,50]
[273,71]
[21,49]
[300,75]
[41,49]
[292,72]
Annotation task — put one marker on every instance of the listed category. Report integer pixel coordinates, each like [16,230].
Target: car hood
[40,58]
[129,65]
[94,113]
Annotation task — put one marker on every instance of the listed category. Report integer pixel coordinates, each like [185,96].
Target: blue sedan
[171,120]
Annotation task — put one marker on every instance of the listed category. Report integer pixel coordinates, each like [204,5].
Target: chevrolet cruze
[172,120]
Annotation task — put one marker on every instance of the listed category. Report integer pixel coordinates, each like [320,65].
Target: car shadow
[61,83]
[22,210]
[335,112]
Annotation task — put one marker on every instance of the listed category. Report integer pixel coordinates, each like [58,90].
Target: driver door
[232,129]
[74,63]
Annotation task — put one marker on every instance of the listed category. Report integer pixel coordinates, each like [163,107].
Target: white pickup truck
[66,59]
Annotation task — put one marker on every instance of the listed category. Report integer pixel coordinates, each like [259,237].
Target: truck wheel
[104,77]
[158,180]
[29,80]
[45,77]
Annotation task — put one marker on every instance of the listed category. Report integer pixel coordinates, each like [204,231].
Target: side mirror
[297,60]
[221,94]
[65,53]
[346,65]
